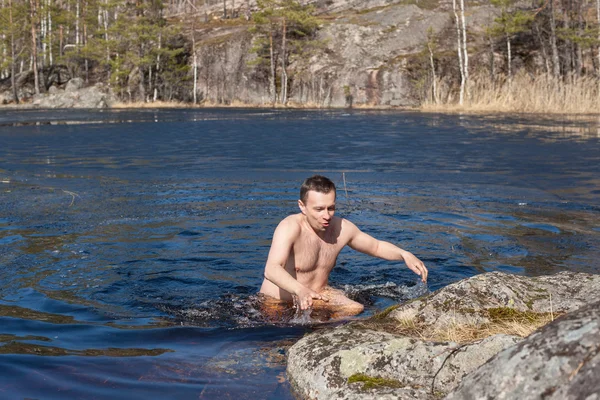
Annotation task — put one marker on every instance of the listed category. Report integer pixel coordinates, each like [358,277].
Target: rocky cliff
[373,53]
[366,53]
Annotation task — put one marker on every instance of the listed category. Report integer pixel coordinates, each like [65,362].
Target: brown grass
[502,321]
[156,104]
[526,93]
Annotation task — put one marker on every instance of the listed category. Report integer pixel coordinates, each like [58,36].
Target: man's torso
[311,258]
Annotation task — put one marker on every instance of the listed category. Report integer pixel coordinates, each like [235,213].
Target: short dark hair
[318,183]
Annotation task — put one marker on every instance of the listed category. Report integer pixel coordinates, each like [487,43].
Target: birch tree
[461,36]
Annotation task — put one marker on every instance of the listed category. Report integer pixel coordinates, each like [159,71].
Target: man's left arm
[360,241]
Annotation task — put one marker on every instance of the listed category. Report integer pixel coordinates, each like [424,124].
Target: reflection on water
[133,249]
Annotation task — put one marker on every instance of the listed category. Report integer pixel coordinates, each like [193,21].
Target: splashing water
[237,311]
[399,293]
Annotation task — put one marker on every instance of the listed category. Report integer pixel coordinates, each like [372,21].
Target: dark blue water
[132,243]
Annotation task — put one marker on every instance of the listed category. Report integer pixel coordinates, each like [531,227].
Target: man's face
[319,209]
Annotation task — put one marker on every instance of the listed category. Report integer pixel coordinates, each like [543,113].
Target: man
[305,247]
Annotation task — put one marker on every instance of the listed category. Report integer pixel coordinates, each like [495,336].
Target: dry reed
[524,93]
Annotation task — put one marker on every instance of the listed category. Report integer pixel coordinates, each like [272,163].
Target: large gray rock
[465,302]
[74,85]
[561,361]
[90,97]
[320,364]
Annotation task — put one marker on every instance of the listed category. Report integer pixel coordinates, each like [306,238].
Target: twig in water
[73,195]
[551,313]
[344,178]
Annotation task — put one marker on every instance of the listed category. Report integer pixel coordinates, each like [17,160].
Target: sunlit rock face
[466,301]
[560,361]
[320,365]
[365,360]
[75,95]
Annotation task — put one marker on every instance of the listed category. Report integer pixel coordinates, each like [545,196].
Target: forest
[150,50]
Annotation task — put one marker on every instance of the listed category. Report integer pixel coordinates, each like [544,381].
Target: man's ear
[302,206]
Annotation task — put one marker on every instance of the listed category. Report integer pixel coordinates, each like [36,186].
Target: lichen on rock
[392,348]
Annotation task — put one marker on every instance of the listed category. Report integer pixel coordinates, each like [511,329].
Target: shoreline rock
[371,360]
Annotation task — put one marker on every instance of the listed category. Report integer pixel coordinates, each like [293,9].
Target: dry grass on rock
[507,321]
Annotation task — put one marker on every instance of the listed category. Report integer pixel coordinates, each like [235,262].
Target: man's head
[317,202]
[316,183]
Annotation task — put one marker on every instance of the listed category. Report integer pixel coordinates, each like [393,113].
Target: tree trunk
[553,46]
[272,88]
[460,55]
[87,67]
[50,34]
[509,61]
[141,87]
[156,75]
[61,38]
[34,51]
[492,63]
[598,48]
[77,24]
[283,65]
[464,46]
[433,75]
[195,66]
[13,68]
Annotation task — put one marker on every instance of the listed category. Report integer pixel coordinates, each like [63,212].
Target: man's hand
[415,265]
[305,297]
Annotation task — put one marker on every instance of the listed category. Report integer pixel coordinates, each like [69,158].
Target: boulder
[74,85]
[560,361]
[89,97]
[379,358]
[353,363]
[465,302]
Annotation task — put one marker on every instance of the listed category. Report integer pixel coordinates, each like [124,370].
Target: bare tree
[461,64]
[34,52]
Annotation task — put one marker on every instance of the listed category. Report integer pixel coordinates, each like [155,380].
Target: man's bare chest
[314,253]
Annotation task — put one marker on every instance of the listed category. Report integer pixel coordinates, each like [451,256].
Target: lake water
[132,243]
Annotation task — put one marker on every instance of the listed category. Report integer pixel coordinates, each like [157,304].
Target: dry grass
[156,104]
[506,321]
[526,93]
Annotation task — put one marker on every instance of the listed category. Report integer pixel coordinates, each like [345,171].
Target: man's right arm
[283,239]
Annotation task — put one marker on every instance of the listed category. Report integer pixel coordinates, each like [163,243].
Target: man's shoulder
[291,222]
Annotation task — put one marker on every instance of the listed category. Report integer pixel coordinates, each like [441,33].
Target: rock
[336,363]
[53,90]
[561,361]
[73,85]
[465,302]
[320,365]
[89,97]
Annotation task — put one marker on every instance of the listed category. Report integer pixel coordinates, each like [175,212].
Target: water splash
[365,293]
[240,311]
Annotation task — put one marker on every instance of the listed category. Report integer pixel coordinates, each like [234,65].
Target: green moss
[386,312]
[502,314]
[423,4]
[370,382]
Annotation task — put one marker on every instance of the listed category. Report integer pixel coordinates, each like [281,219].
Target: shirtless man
[305,247]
